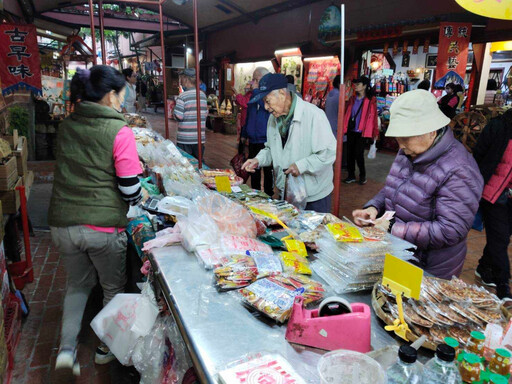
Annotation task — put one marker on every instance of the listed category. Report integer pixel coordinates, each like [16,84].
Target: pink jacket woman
[368,124]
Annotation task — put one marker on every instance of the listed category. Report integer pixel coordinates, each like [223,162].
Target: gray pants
[88,256]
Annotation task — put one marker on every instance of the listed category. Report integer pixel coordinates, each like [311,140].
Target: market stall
[233,270]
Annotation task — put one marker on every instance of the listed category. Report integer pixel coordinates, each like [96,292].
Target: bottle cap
[477,335]
[451,342]
[445,352]
[471,358]
[494,378]
[503,352]
[407,354]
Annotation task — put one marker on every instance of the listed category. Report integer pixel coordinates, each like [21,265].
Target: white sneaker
[66,360]
[103,355]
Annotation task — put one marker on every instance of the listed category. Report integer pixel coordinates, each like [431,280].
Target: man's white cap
[415,113]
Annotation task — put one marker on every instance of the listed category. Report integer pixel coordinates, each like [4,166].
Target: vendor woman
[95,182]
[434,186]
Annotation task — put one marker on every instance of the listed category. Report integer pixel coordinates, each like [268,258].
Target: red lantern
[395,48]
[386,48]
[405,46]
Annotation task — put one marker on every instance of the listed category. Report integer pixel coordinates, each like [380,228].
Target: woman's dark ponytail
[94,84]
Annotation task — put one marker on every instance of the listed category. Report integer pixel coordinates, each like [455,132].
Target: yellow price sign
[296,246]
[405,279]
[222,184]
[488,8]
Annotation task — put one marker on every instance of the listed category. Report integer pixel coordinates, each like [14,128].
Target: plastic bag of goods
[241,270]
[198,230]
[274,296]
[125,319]
[231,218]
[296,191]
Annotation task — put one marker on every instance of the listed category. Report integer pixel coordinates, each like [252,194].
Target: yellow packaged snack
[295,263]
[296,246]
[345,233]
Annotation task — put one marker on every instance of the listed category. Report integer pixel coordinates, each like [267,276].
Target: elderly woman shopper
[130,94]
[95,182]
[434,186]
[299,142]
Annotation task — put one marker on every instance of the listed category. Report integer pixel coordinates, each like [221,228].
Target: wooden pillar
[480,72]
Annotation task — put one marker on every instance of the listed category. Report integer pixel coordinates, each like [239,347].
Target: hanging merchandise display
[320,72]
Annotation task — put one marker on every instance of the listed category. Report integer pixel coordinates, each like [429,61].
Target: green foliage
[18,119]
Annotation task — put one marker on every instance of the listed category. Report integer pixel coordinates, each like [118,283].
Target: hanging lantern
[395,48]
[415,46]
[426,46]
[386,48]
[405,46]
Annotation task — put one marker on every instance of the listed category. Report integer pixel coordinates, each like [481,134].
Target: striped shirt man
[186,114]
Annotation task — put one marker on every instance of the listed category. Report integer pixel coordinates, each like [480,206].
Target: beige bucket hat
[415,113]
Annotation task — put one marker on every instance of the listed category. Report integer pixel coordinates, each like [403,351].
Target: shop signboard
[453,53]
[21,65]
[495,9]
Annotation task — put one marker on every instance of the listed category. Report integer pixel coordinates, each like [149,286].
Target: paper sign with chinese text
[19,55]
[452,56]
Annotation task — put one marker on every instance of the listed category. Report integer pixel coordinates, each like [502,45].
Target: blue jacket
[255,128]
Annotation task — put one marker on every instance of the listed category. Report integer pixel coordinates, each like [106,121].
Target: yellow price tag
[296,246]
[222,184]
[402,277]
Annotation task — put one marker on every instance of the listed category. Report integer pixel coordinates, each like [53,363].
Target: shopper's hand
[292,170]
[250,165]
[243,140]
[382,224]
[369,213]
[123,110]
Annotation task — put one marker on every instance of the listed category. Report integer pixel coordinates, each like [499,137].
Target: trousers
[498,229]
[88,256]
[268,178]
[355,153]
[320,206]
[192,149]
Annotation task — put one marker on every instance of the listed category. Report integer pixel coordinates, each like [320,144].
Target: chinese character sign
[19,53]
[453,50]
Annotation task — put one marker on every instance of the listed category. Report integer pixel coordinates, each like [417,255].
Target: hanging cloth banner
[19,55]
[452,56]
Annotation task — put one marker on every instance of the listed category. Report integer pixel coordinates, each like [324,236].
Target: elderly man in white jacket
[299,142]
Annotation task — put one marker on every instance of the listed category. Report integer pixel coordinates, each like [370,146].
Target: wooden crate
[21,153]
[7,169]
[11,199]
[9,182]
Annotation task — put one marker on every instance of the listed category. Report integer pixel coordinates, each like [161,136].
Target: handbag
[238,161]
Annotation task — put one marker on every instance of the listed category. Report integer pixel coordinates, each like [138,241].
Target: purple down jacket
[435,197]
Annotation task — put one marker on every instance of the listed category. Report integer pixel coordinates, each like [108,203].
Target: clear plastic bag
[230,217]
[160,357]
[198,229]
[125,319]
[296,191]
[372,153]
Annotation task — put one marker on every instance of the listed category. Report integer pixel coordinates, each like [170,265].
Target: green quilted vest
[85,189]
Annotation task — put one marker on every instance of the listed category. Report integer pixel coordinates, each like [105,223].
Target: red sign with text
[19,55]
[452,56]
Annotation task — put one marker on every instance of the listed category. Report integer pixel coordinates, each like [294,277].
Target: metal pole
[198,98]
[102,34]
[341,114]
[26,232]
[93,34]
[162,42]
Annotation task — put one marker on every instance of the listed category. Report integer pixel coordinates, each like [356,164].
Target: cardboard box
[12,140]
[9,182]
[11,199]
[21,153]
[28,181]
